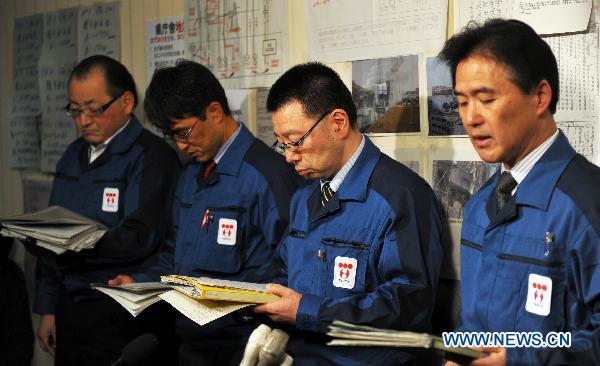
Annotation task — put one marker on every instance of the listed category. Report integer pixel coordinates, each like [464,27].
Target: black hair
[316,87]
[513,44]
[182,91]
[118,79]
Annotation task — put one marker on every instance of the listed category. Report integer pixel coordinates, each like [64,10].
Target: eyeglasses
[181,137]
[76,113]
[295,145]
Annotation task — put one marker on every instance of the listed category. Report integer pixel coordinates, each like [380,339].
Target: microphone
[273,351]
[257,339]
[138,350]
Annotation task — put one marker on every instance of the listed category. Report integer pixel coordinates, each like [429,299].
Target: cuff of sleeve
[45,306]
[308,311]
[143,277]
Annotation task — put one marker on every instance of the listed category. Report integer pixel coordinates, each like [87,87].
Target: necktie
[209,166]
[506,184]
[326,193]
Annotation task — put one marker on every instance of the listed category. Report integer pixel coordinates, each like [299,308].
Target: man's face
[500,119]
[90,93]
[204,139]
[319,154]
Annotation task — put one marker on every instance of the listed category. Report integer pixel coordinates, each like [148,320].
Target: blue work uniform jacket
[140,171]
[549,231]
[371,256]
[250,189]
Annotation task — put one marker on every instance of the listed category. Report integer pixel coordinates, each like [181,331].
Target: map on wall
[244,43]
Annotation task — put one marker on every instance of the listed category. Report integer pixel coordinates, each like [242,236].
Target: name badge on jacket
[110,200]
[227,231]
[539,294]
[344,272]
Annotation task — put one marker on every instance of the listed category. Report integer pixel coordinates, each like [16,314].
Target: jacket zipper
[342,243]
[471,245]
[518,258]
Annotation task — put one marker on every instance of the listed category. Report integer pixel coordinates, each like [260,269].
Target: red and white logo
[227,231]
[110,200]
[539,294]
[344,272]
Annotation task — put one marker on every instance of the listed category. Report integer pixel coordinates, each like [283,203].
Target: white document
[373,28]
[264,125]
[24,142]
[132,302]
[200,311]
[27,42]
[99,31]
[546,17]
[244,43]
[165,43]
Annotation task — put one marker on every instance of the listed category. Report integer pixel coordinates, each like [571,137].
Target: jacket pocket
[221,250]
[344,252]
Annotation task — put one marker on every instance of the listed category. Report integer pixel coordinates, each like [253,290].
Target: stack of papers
[214,289]
[201,299]
[54,228]
[134,297]
[346,334]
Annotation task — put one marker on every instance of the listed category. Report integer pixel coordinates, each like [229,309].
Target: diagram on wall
[243,42]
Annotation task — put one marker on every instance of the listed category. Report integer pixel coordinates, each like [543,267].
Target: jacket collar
[231,162]
[120,144]
[536,189]
[354,187]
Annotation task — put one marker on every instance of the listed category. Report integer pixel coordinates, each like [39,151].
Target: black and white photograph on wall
[442,104]
[454,182]
[411,164]
[386,94]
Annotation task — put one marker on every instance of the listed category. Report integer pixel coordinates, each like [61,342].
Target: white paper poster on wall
[546,17]
[165,43]
[27,42]
[244,43]
[373,28]
[99,31]
[24,142]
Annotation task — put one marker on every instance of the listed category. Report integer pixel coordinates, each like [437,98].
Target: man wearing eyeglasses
[230,210]
[122,176]
[363,244]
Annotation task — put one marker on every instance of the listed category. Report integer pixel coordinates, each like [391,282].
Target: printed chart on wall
[374,28]
[243,42]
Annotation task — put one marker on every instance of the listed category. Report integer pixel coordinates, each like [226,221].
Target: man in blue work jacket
[233,180]
[530,237]
[363,245]
[122,176]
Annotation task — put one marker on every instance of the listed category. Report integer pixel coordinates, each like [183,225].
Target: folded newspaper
[346,334]
[201,299]
[54,228]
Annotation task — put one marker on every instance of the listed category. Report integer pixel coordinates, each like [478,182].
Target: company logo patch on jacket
[344,272]
[110,200]
[539,294]
[227,231]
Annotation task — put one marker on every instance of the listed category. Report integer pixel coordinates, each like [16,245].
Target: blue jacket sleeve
[583,281]
[408,268]
[47,286]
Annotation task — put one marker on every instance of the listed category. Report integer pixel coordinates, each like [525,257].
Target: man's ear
[215,111]
[341,122]
[128,101]
[544,96]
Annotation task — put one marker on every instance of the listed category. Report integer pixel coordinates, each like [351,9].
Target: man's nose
[292,156]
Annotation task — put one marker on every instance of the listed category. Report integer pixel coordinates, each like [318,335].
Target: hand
[121,280]
[497,357]
[451,363]
[282,310]
[46,334]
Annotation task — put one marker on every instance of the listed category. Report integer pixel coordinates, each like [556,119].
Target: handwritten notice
[27,42]
[24,142]
[98,31]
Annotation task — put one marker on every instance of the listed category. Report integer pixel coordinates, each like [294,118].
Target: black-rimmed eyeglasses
[76,112]
[181,137]
[294,146]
